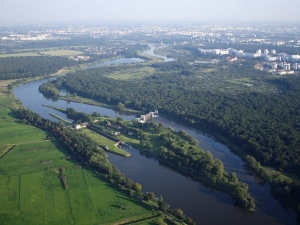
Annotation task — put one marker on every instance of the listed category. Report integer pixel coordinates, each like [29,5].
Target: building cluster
[282,63]
[79,57]
[147,117]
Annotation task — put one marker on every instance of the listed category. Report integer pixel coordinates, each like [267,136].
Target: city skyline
[134,11]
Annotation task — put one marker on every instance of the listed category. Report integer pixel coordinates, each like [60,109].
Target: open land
[32,192]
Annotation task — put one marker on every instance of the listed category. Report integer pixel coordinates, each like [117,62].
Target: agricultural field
[106,142]
[132,73]
[47,52]
[32,193]
[17,133]
[21,54]
[61,52]
[31,190]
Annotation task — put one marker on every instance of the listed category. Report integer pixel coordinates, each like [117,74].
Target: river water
[203,205]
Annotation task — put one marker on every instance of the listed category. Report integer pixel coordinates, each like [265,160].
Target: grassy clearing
[58,52]
[16,133]
[22,54]
[4,83]
[105,142]
[64,52]
[132,73]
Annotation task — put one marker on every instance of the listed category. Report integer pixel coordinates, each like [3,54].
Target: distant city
[271,59]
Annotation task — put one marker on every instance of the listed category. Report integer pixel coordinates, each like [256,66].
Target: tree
[120,106]
[179,214]
[138,188]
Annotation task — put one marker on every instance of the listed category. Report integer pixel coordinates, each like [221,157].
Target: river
[203,205]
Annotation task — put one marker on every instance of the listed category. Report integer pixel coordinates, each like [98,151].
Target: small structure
[149,116]
[80,126]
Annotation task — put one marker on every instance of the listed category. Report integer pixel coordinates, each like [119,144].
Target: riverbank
[78,99]
[50,157]
[275,178]
[225,211]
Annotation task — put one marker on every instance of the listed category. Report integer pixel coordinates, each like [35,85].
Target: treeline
[178,150]
[49,90]
[266,125]
[88,152]
[31,66]
[286,190]
[264,121]
[185,155]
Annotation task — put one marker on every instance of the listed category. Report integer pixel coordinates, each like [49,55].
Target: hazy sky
[156,11]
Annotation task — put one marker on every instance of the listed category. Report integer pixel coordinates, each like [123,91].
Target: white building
[266,51]
[258,52]
[270,58]
[296,66]
[294,57]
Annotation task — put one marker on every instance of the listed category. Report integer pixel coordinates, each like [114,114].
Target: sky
[15,12]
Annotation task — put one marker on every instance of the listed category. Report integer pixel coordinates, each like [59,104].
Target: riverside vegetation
[177,150]
[42,182]
[234,102]
[257,111]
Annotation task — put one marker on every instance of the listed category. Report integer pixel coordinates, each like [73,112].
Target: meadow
[105,142]
[48,52]
[31,190]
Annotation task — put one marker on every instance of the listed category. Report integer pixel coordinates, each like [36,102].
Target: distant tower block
[266,51]
[161,43]
[258,52]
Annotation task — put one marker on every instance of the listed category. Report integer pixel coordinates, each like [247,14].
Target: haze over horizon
[19,12]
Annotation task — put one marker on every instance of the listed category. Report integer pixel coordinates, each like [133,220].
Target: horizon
[231,12]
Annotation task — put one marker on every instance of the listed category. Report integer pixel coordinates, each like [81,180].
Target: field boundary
[7,150]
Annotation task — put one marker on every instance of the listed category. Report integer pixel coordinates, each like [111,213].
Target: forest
[256,111]
[31,66]
[265,124]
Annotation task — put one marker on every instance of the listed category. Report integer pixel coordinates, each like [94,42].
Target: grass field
[105,142]
[132,73]
[64,52]
[31,191]
[51,52]
[16,133]
[21,54]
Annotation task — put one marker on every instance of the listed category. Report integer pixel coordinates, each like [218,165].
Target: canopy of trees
[31,66]
[266,124]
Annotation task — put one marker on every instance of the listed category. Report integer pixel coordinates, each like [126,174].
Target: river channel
[203,205]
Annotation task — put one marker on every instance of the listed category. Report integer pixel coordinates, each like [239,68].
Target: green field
[105,142]
[31,191]
[61,52]
[22,54]
[16,133]
[136,73]
[49,52]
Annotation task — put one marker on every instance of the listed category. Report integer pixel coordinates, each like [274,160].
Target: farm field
[106,142]
[31,191]
[47,52]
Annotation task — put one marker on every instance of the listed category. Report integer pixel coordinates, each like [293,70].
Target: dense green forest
[31,66]
[265,124]
[257,111]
